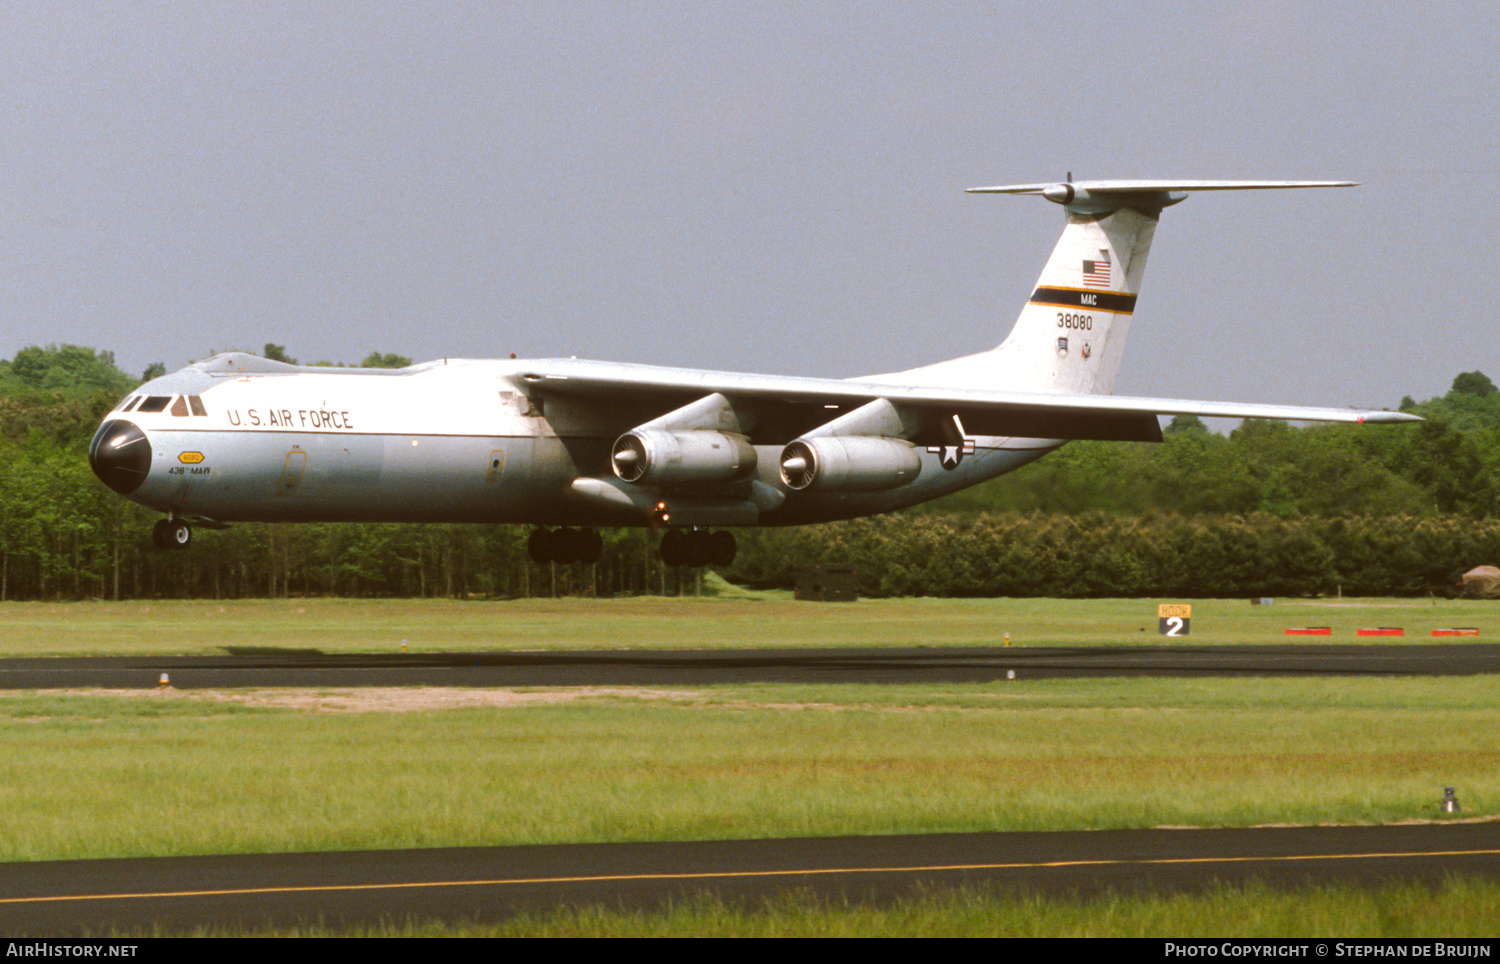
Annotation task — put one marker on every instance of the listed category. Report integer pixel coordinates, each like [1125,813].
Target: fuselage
[446,441]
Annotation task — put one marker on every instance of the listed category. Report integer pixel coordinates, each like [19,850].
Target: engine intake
[848,463]
[653,457]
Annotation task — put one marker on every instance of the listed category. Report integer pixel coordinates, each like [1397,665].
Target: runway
[458,884]
[645,667]
[453,885]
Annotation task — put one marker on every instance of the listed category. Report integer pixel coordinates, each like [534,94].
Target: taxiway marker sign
[1173,619]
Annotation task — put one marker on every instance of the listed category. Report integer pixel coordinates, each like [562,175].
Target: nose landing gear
[172,534]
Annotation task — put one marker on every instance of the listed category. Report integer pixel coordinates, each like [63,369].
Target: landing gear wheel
[565,546]
[673,548]
[171,534]
[697,548]
[540,547]
[721,548]
[590,546]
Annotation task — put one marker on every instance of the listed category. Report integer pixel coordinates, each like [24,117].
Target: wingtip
[1389,418]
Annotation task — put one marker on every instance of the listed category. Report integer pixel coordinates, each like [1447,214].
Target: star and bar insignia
[955,444]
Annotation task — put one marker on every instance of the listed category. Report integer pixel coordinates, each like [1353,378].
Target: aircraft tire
[539,546]
[590,546]
[565,546]
[722,548]
[697,548]
[180,534]
[161,534]
[673,551]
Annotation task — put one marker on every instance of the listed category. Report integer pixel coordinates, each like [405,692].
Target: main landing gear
[172,534]
[679,547]
[565,546]
[698,547]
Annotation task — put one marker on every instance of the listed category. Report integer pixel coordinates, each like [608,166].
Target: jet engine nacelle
[654,457]
[849,463]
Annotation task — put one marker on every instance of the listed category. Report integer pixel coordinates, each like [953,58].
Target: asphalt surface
[354,888]
[644,667]
[478,884]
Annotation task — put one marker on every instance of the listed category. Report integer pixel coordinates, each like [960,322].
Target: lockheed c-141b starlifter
[569,445]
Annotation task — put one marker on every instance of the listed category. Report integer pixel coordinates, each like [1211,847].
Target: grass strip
[1457,910]
[198,773]
[746,620]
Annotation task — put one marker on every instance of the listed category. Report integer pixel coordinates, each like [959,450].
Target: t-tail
[1071,334]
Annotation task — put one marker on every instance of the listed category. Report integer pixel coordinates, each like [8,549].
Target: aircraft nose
[120,455]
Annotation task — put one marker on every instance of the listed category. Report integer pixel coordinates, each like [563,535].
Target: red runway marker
[1311,631]
[1381,631]
[1457,631]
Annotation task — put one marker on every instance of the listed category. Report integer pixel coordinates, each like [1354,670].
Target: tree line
[1266,509]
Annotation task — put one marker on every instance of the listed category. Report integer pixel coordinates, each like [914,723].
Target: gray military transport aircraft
[579,444]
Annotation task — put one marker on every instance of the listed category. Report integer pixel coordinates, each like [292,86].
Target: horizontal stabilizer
[1134,187]
[1099,197]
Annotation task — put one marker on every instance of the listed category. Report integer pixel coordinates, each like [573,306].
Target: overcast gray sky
[764,187]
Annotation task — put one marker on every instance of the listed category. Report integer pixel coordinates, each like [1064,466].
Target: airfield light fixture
[1450,800]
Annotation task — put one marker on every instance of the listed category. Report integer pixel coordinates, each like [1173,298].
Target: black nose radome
[120,455]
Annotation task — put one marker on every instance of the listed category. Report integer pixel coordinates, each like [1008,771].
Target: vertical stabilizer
[1070,337]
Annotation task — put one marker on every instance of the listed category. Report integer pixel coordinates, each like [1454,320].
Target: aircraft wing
[790,405]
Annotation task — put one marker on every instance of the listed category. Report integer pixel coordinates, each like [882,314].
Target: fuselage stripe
[304,431]
[504,438]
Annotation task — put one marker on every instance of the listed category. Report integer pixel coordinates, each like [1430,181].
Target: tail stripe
[1093,299]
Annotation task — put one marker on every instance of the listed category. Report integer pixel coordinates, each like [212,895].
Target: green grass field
[150,773]
[161,773]
[734,621]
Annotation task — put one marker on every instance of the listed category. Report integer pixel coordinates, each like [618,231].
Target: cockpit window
[155,403]
[131,402]
[197,405]
[179,407]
